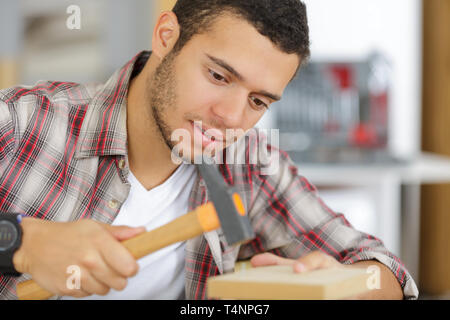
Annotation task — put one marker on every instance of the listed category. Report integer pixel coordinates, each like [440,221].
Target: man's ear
[165,34]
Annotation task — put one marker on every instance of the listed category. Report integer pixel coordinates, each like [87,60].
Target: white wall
[351,29]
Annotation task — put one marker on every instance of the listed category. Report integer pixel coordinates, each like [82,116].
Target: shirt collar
[104,129]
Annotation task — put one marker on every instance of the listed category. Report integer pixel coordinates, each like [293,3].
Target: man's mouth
[209,134]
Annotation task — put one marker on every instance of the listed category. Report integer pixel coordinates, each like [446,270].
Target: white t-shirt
[161,274]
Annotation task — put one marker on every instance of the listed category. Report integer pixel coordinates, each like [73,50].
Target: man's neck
[148,155]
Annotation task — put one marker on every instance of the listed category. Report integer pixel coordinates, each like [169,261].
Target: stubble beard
[161,88]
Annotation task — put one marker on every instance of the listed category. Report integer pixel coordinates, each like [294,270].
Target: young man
[83,161]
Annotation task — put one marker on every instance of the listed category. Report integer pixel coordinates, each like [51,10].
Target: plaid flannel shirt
[63,157]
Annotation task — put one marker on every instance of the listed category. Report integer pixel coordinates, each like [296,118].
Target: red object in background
[343,76]
[364,135]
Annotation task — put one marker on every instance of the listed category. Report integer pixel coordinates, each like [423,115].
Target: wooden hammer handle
[190,225]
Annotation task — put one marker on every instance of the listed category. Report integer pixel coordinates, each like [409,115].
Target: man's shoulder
[56,102]
[53,91]
[22,102]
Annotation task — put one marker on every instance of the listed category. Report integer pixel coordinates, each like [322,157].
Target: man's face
[223,79]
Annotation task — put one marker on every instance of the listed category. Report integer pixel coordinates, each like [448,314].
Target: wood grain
[280,282]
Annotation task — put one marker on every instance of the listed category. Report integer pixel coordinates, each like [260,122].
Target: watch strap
[6,258]
[7,265]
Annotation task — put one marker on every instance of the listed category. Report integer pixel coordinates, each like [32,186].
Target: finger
[79,293]
[124,232]
[107,275]
[91,285]
[269,259]
[314,261]
[63,289]
[119,258]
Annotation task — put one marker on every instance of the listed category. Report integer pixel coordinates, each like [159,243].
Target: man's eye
[217,76]
[259,103]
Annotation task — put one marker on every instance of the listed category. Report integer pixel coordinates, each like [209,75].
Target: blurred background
[366,120]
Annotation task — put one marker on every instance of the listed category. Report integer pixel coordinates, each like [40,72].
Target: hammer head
[230,210]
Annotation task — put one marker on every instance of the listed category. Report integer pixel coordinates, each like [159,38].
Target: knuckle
[89,261]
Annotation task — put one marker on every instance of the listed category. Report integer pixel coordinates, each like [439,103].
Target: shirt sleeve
[7,150]
[7,141]
[291,220]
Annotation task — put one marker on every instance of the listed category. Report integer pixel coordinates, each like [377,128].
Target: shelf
[427,168]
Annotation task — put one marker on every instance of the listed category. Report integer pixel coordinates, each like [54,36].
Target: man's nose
[231,109]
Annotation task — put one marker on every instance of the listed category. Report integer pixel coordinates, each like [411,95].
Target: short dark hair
[284,22]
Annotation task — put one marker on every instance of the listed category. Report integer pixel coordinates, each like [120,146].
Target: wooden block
[281,283]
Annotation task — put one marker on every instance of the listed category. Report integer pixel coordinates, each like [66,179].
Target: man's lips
[212,134]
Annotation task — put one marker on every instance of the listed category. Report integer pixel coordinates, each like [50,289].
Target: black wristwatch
[10,241]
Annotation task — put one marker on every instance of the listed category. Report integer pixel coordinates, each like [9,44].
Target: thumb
[124,232]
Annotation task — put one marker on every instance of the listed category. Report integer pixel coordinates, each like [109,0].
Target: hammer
[225,210]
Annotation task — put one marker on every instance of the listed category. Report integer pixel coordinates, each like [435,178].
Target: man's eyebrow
[269,95]
[233,71]
[226,66]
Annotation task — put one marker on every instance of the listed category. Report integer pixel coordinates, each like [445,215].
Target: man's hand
[390,288]
[312,261]
[49,248]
